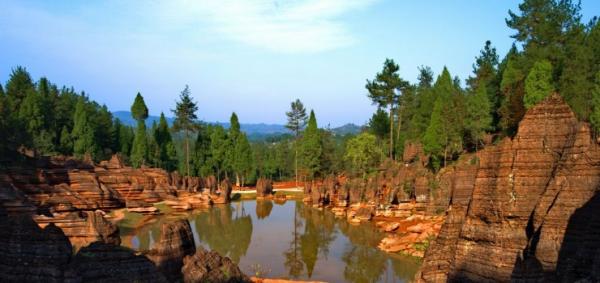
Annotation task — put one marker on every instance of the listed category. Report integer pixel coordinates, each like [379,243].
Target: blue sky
[249,56]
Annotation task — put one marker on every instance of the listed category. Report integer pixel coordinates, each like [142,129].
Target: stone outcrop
[176,242]
[83,227]
[528,211]
[101,262]
[264,188]
[204,266]
[34,254]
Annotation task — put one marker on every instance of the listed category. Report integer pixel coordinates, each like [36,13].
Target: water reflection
[290,240]
[224,231]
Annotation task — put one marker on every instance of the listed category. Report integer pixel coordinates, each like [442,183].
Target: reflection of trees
[318,235]
[405,267]
[292,255]
[225,233]
[363,264]
[263,208]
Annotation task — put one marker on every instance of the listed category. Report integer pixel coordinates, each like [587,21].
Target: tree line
[554,51]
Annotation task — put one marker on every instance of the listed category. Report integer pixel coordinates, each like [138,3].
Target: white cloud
[296,26]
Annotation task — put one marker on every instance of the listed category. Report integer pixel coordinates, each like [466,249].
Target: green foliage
[311,148]
[139,111]
[139,150]
[479,118]
[185,120]
[443,136]
[17,87]
[166,153]
[379,124]
[384,92]
[513,90]
[486,74]
[34,116]
[220,145]
[202,151]
[595,116]
[83,131]
[296,117]
[362,153]
[538,84]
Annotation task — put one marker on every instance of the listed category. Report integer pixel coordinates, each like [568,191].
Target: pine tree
[166,156]
[538,83]
[243,161]
[202,151]
[33,114]
[424,102]
[296,121]
[379,124]
[17,87]
[479,118]
[185,120]
[383,91]
[443,137]
[139,150]
[485,70]
[83,131]
[311,150]
[220,144]
[595,115]
[512,87]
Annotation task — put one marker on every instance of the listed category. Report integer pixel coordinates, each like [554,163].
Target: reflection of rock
[204,266]
[176,242]
[100,262]
[264,188]
[263,208]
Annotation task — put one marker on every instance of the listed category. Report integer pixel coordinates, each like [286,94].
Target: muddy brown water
[289,240]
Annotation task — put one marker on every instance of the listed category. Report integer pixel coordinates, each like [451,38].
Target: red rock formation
[204,266]
[519,221]
[176,242]
[264,188]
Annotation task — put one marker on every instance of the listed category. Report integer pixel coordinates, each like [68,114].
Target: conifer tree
[185,120]
[243,161]
[202,151]
[479,118]
[443,136]
[595,115]
[167,156]
[311,150]
[383,91]
[513,90]
[379,124]
[17,87]
[139,150]
[32,113]
[296,121]
[538,83]
[83,131]
[220,144]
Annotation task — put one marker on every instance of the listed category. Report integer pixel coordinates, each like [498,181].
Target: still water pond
[288,240]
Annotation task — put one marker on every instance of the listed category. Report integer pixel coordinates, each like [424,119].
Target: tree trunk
[187,152]
[237,179]
[391,132]
[399,123]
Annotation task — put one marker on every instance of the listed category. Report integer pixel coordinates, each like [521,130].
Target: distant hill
[349,128]
[254,131]
[250,129]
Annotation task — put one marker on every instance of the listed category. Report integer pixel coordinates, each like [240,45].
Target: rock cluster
[529,210]
[204,266]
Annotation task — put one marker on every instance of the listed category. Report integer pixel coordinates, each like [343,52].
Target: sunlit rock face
[176,242]
[531,212]
[204,266]
[264,188]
